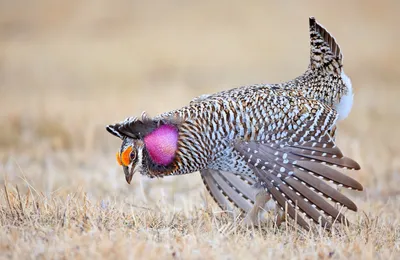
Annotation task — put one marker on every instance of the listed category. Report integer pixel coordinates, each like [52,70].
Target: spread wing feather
[294,173]
[226,188]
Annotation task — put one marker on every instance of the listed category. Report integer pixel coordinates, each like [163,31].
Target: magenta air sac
[162,144]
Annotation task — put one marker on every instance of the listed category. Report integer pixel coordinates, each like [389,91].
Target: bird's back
[209,125]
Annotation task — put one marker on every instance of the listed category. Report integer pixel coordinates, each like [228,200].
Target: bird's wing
[294,163]
[228,188]
[294,173]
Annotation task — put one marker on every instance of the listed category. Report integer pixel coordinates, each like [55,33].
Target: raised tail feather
[325,53]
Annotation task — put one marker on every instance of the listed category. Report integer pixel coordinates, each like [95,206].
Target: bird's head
[130,157]
[147,147]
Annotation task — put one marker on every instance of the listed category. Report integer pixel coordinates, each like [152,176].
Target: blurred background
[68,68]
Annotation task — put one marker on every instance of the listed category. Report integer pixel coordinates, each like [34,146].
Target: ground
[69,68]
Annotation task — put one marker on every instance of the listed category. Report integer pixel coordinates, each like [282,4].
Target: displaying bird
[257,142]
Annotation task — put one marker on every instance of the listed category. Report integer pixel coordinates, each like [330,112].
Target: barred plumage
[274,138]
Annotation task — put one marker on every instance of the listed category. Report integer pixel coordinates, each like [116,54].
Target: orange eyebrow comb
[118,156]
[124,158]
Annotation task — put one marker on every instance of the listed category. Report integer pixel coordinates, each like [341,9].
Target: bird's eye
[133,155]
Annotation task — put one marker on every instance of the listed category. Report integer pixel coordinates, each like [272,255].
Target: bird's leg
[279,215]
[262,197]
[261,200]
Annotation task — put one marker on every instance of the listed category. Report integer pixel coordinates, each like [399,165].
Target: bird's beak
[128,178]
[128,175]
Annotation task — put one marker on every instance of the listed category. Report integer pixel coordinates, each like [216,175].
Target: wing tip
[220,190]
[357,186]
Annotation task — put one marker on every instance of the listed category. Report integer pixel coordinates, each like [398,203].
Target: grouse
[257,142]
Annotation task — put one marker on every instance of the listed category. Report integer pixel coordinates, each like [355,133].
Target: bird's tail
[324,79]
[325,54]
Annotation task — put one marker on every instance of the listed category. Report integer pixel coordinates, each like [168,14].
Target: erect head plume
[133,127]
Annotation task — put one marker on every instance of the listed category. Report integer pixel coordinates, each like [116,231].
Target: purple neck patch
[162,144]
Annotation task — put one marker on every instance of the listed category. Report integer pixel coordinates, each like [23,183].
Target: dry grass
[74,226]
[68,69]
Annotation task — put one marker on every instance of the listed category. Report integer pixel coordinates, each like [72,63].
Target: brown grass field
[68,68]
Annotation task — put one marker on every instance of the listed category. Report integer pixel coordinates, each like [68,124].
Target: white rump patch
[346,102]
